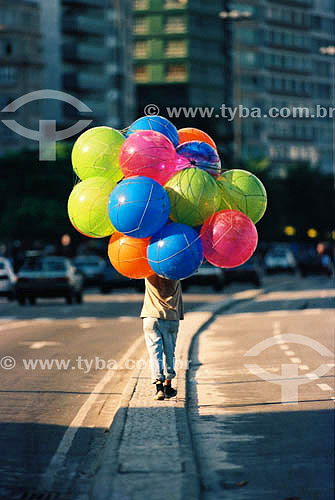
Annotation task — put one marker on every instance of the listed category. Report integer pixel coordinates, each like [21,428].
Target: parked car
[315,264]
[111,280]
[7,279]
[280,259]
[206,275]
[250,271]
[48,277]
[92,268]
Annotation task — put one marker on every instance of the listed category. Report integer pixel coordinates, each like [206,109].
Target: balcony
[85,82]
[84,53]
[84,25]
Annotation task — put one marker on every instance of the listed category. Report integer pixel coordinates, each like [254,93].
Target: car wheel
[32,301]
[69,299]
[79,297]
[21,300]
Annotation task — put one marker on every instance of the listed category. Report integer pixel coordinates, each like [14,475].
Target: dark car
[315,264]
[48,277]
[250,271]
[206,275]
[111,280]
[91,267]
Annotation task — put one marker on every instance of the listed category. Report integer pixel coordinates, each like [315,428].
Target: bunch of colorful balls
[161,196]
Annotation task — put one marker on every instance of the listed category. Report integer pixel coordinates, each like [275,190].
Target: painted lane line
[289,353]
[331,365]
[309,312]
[85,325]
[295,360]
[39,344]
[303,367]
[59,458]
[284,347]
[312,376]
[16,324]
[325,387]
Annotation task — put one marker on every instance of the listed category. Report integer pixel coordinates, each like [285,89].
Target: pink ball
[150,154]
[229,238]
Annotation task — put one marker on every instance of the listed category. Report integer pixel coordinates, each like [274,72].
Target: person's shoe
[159,392]
[169,391]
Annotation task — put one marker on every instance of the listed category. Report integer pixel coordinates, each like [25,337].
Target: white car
[280,259]
[7,279]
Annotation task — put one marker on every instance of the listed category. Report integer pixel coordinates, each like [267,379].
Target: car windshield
[54,265]
[43,265]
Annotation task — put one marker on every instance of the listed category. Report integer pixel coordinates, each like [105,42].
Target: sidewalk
[149,452]
[149,448]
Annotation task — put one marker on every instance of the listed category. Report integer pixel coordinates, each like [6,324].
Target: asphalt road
[39,405]
[258,434]
[63,411]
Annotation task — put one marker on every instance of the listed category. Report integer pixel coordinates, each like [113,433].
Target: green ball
[96,154]
[243,191]
[88,207]
[194,196]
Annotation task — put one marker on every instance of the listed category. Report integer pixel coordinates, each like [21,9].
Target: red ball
[150,154]
[229,238]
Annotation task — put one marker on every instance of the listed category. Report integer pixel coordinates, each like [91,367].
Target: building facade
[21,67]
[186,55]
[178,53]
[80,47]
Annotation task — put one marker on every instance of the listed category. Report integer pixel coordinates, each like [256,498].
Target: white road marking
[39,344]
[331,365]
[325,387]
[85,325]
[124,319]
[284,347]
[312,376]
[309,312]
[304,367]
[57,461]
[15,324]
[295,360]
[289,353]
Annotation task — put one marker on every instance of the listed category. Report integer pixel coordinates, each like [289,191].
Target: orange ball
[194,134]
[129,255]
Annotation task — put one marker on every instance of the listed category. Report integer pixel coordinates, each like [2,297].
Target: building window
[175,24]
[8,75]
[141,73]
[141,4]
[176,48]
[141,25]
[141,49]
[176,73]
[175,4]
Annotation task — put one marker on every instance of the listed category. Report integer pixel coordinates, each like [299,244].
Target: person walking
[162,310]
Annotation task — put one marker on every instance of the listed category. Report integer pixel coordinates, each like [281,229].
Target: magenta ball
[150,154]
[229,238]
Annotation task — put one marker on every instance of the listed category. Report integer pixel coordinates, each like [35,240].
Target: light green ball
[88,207]
[243,191]
[96,154]
[194,196]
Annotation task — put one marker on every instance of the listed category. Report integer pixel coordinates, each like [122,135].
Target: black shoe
[169,391]
[159,392]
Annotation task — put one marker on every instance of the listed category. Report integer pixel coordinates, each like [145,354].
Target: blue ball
[175,252]
[138,207]
[158,124]
[202,155]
